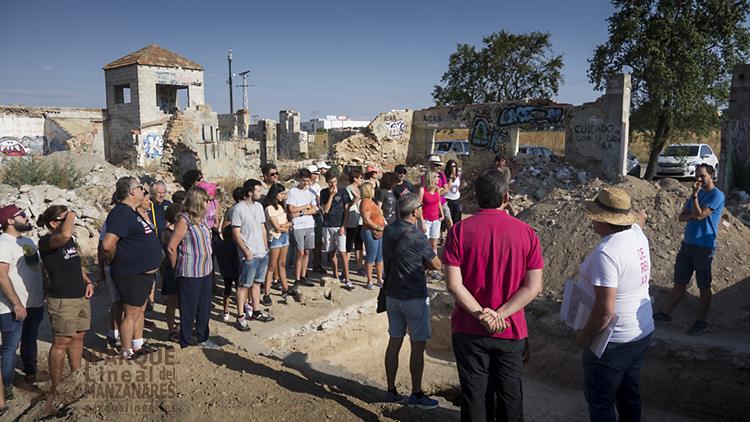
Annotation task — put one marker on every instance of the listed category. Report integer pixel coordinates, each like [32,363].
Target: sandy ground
[319,360]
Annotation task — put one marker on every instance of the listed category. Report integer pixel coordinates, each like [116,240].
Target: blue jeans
[14,332]
[614,381]
[373,247]
[253,270]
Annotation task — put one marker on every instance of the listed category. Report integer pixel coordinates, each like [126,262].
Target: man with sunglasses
[21,296]
[135,253]
[270,176]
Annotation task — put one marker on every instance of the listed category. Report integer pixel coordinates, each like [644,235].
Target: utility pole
[244,88]
[231,100]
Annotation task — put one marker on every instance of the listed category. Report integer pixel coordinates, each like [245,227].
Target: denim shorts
[282,241]
[694,259]
[413,314]
[432,229]
[253,270]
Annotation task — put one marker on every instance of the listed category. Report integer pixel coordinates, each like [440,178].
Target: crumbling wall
[383,143]
[264,132]
[734,163]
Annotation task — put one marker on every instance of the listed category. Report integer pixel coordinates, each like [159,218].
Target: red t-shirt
[494,251]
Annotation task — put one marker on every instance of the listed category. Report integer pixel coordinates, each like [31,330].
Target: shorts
[692,258]
[114,295]
[373,247]
[332,241]
[304,239]
[253,270]
[354,239]
[134,289]
[432,229]
[446,212]
[69,316]
[279,242]
[413,314]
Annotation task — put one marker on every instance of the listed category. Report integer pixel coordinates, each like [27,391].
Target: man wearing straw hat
[617,272]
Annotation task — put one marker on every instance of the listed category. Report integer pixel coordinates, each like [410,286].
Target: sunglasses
[21,214]
[274,174]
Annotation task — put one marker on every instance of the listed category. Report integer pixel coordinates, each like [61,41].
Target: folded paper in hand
[576,308]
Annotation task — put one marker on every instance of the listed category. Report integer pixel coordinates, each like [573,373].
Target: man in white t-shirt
[302,205]
[249,233]
[315,187]
[618,271]
[21,296]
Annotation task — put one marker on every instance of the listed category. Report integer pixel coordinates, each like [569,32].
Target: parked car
[536,151]
[461,148]
[680,160]
[633,166]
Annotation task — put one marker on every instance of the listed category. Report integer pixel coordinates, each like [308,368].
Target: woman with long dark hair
[277,226]
[68,291]
[453,197]
[190,255]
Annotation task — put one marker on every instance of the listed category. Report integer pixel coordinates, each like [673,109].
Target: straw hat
[611,205]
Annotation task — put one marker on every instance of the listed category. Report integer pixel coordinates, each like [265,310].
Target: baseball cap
[322,165]
[7,212]
[435,159]
[313,169]
[400,169]
[370,169]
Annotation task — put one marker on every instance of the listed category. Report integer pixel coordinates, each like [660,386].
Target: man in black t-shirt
[159,205]
[406,254]
[135,255]
[334,234]
[402,186]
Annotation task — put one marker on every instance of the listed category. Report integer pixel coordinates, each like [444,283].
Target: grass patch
[27,171]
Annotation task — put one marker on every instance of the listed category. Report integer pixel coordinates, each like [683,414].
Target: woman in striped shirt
[189,252]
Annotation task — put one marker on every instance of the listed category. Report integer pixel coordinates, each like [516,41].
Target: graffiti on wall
[484,136]
[168,77]
[153,145]
[605,135]
[11,146]
[396,128]
[518,115]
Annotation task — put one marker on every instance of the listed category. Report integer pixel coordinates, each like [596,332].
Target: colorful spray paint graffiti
[488,134]
[18,147]
[485,136]
[396,129]
[518,115]
[153,146]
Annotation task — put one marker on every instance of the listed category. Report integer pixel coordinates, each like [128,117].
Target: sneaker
[8,392]
[242,324]
[423,403]
[369,286]
[394,397]
[348,285]
[305,282]
[248,310]
[661,316]
[380,283]
[262,316]
[266,300]
[225,317]
[145,349]
[276,285]
[698,327]
[208,344]
[112,342]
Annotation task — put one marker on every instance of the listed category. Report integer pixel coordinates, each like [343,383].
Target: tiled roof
[153,55]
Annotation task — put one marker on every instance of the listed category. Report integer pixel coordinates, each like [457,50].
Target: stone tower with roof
[145,90]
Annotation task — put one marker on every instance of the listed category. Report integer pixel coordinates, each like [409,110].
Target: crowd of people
[492,262]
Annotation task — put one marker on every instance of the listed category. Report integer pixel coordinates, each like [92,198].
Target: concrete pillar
[515,135]
[421,142]
[734,160]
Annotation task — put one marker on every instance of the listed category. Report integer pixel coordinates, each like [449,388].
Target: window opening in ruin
[170,98]
[122,94]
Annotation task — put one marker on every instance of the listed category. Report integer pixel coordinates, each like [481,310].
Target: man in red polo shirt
[493,266]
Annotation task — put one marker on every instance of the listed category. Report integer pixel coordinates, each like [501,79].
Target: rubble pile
[362,149]
[566,237]
[738,203]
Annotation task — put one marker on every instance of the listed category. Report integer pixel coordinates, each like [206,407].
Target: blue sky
[317,57]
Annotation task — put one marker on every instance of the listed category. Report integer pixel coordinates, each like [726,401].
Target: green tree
[508,67]
[680,54]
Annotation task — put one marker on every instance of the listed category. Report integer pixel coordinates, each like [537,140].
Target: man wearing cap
[317,217]
[322,168]
[493,266]
[21,296]
[702,213]
[402,186]
[617,273]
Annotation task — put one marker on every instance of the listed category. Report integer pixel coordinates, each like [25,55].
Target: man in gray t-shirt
[249,233]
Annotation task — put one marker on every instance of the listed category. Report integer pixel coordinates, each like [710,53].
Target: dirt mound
[366,149]
[566,236]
